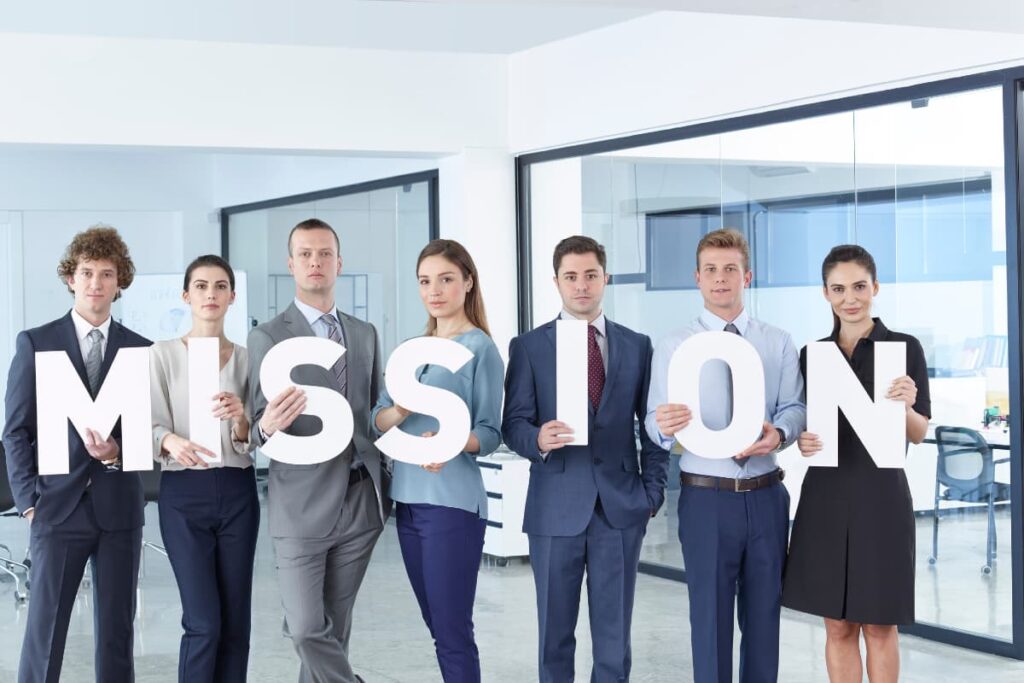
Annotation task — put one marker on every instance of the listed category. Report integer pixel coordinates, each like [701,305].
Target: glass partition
[921,184]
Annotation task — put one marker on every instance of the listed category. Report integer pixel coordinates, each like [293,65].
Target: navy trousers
[609,557]
[59,555]
[441,548]
[209,520]
[734,546]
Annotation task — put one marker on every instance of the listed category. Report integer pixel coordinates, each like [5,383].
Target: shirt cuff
[544,455]
[263,434]
[25,513]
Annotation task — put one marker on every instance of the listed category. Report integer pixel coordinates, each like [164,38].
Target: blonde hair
[726,238]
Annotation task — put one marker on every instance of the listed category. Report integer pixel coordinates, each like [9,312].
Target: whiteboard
[152,307]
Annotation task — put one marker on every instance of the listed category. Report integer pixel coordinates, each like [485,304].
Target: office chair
[965,472]
[151,492]
[16,570]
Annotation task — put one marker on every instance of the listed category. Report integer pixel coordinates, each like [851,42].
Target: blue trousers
[209,520]
[734,546]
[609,557]
[441,548]
[59,555]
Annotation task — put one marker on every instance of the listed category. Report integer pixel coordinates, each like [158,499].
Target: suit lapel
[69,340]
[297,324]
[611,371]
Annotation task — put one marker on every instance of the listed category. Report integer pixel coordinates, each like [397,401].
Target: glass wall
[381,229]
[920,183]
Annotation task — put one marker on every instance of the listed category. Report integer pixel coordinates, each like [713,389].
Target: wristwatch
[782,439]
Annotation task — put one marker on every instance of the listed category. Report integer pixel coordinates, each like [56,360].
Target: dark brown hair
[313,224]
[100,242]
[725,238]
[579,244]
[454,252]
[209,260]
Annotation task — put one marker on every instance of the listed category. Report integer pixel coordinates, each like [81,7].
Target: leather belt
[735,485]
[357,474]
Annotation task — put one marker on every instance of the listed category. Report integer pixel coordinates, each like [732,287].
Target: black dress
[851,554]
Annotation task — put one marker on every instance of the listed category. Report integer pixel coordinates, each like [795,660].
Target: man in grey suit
[324,518]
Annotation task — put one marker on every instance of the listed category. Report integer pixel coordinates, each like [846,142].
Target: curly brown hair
[98,242]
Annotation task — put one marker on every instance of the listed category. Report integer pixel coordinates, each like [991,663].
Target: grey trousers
[319,579]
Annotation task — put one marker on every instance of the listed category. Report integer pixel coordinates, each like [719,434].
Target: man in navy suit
[95,511]
[587,506]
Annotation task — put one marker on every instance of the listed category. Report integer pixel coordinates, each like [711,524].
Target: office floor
[390,642]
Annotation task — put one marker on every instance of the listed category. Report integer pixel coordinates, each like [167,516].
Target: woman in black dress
[851,556]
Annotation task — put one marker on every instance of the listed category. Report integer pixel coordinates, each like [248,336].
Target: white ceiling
[499,28]
[486,26]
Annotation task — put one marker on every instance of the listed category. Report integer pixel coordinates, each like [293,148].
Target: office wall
[167,93]
[671,68]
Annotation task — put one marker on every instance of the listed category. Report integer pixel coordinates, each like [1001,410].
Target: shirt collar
[312,314]
[599,321]
[83,327]
[714,323]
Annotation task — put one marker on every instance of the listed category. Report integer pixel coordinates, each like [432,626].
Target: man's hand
[548,438]
[104,451]
[809,444]
[671,418]
[184,452]
[283,410]
[768,442]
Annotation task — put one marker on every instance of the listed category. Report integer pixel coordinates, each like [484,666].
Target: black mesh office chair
[16,570]
[965,472]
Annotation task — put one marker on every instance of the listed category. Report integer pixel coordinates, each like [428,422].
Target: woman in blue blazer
[442,507]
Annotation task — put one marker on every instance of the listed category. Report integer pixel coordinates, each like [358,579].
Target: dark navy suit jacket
[564,488]
[116,497]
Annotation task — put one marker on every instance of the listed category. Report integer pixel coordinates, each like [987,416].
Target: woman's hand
[434,467]
[184,452]
[230,407]
[903,389]
[809,444]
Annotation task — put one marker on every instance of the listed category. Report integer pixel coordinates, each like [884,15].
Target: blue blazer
[564,488]
[116,497]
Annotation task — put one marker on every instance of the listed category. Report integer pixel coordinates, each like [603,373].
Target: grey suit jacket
[305,501]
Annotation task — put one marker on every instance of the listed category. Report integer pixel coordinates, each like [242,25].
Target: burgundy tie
[595,368]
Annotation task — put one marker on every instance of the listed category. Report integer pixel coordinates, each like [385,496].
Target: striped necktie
[94,360]
[340,368]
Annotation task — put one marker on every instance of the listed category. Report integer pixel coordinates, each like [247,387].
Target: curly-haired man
[93,513]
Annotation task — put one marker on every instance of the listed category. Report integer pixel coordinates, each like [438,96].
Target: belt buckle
[740,486]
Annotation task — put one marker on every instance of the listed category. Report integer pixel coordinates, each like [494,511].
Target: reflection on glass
[920,185]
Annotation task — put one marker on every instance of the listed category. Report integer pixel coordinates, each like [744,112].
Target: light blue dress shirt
[783,394]
[479,383]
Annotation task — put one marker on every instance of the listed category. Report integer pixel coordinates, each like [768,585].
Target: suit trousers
[441,548]
[734,546]
[209,520]
[610,558]
[319,579]
[59,555]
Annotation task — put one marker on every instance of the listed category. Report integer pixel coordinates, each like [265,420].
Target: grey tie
[94,360]
[728,406]
[341,367]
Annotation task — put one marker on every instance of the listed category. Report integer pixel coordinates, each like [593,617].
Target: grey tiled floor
[390,642]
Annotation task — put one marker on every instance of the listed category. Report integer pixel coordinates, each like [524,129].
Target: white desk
[506,478]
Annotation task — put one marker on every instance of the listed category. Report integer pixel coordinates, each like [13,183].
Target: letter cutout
[330,406]
[61,396]
[450,410]
[203,384]
[748,393]
[832,385]
[571,378]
